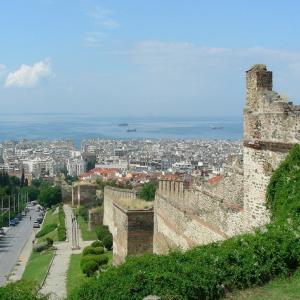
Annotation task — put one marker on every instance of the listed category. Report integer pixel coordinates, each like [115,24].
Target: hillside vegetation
[211,271]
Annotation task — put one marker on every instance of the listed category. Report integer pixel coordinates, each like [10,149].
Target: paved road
[12,244]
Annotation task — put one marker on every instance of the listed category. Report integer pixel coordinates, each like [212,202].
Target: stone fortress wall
[131,227]
[111,195]
[224,206]
[235,203]
[83,193]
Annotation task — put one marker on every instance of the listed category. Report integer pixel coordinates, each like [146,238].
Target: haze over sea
[84,126]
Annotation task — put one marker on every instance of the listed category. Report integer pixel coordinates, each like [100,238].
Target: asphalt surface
[12,243]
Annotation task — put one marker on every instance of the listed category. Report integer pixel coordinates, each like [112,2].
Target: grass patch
[280,288]
[109,254]
[37,266]
[74,274]
[85,233]
[51,217]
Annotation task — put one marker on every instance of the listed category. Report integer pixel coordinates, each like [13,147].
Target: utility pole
[8,211]
[2,210]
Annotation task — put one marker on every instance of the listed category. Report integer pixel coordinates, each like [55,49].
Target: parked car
[2,232]
[36,224]
[12,222]
[23,213]
[39,219]
[17,221]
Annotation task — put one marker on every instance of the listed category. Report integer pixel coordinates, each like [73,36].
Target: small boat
[123,124]
[216,127]
[131,130]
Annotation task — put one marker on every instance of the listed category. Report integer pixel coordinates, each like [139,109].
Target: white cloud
[169,56]
[104,17]
[29,76]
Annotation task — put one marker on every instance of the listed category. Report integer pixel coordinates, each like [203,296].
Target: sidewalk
[55,283]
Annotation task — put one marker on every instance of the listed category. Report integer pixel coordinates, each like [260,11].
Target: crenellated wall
[236,202]
[184,218]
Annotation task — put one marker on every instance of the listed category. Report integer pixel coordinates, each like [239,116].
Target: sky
[143,58]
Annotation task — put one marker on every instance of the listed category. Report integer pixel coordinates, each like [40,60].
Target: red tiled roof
[215,179]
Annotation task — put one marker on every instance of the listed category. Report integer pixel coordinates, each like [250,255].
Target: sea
[86,126]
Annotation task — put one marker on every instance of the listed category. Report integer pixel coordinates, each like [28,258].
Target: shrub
[41,247]
[102,231]
[87,258]
[49,242]
[88,250]
[45,230]
[61,230]
[89,267]
[207,272]
[98,250]
[108,242]
[102,260]
[96,244]
[83,212]
[20,290]
[99,259]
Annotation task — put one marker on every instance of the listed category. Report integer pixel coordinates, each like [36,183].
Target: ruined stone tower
[271,127]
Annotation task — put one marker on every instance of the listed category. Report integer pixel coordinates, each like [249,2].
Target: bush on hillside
[49,241]
[20,290]
[98,250]
[108,242]
[43,245]
[88,250]
[89,267]
[45,230]
[61,230]
[83,212]
[96,244]
[102,231]
[102,260]
[207,272]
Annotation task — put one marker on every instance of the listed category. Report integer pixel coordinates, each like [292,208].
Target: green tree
[50,196]
[91,164]
[22,178]
[148,191]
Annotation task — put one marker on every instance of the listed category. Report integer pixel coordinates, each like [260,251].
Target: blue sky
[148,58]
